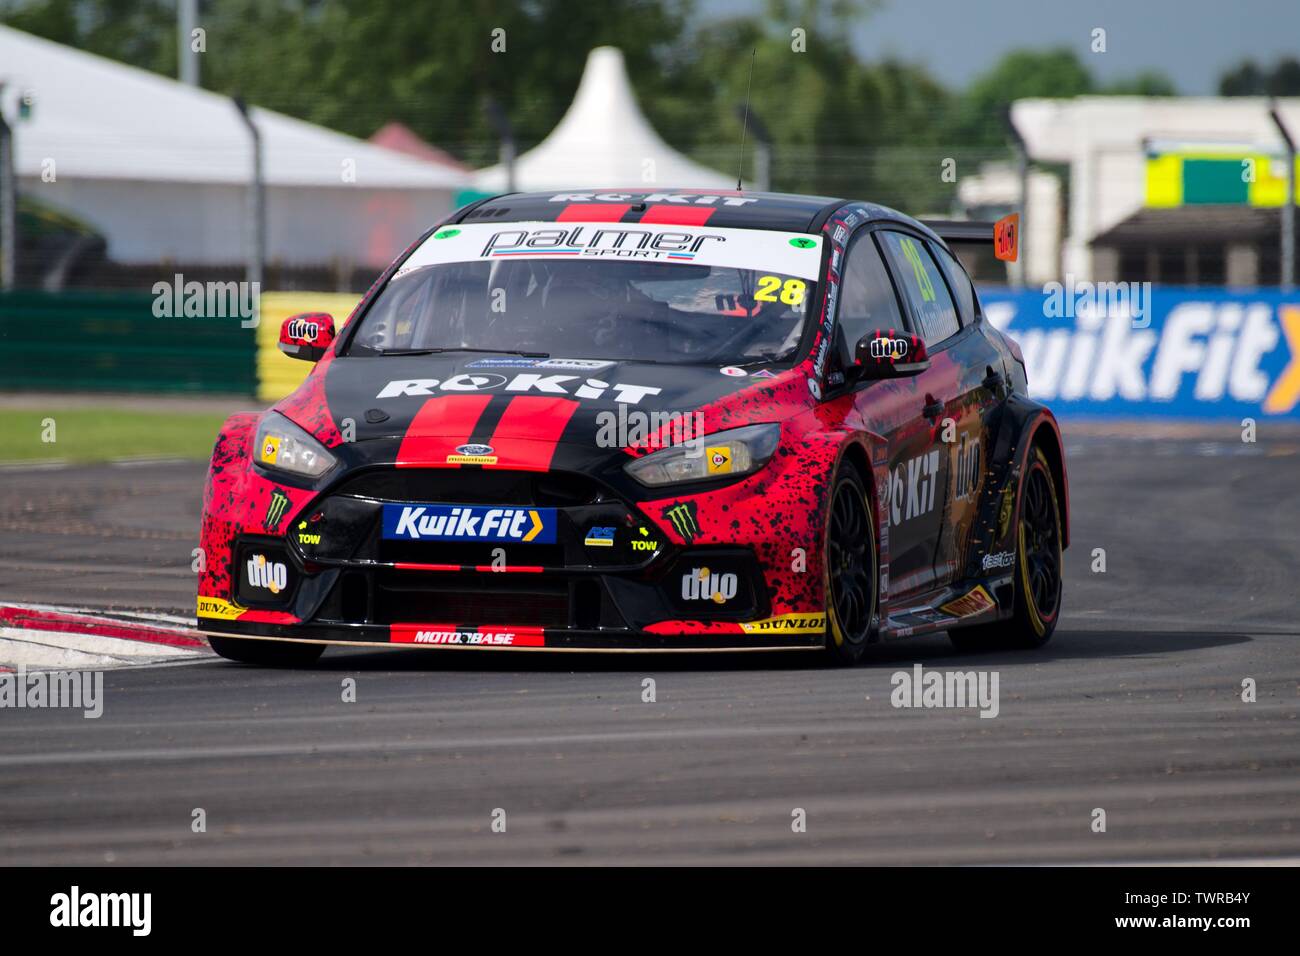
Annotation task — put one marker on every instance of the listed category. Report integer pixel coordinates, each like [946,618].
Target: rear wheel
[266,653]
[1038,569]
[850,559]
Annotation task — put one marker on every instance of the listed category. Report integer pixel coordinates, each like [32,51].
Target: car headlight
[736,451]
[284,446]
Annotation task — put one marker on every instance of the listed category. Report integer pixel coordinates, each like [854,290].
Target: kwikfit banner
[1128,349]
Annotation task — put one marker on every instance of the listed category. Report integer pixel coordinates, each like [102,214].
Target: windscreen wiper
[540,355]
[761,360]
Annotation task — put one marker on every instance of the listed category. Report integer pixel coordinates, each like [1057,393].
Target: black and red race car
[645,421]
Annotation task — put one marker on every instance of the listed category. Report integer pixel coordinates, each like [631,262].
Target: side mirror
[307,336]
[891,354]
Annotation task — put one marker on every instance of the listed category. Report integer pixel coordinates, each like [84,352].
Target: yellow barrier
[277,374]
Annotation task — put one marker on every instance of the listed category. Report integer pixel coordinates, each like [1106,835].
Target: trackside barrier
[1173,353]
[1192,353]
[113,342]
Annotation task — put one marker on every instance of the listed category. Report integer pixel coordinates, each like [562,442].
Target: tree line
[840,125]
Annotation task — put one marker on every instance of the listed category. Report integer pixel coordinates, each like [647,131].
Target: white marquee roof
[603,140]
[100,119]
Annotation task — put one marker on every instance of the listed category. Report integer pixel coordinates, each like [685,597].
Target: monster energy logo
[682,516]
[275,511]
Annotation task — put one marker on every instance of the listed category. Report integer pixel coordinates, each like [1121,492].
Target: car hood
[432,404]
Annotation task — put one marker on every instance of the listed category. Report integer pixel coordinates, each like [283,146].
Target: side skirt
[973,601]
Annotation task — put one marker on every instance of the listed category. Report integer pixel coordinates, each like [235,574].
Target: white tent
[603,140]
[161,168]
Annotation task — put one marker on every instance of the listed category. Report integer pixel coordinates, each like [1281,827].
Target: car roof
[696,207]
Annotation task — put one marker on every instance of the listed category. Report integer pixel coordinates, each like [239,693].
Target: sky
[1190,41]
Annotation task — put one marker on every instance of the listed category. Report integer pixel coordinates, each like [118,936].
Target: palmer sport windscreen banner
[787,253]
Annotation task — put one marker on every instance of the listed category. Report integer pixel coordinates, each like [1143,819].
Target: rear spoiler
[1004,234]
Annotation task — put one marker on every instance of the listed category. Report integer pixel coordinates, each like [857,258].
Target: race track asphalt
[1134,708]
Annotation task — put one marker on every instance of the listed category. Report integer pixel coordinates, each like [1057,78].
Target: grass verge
[94,435]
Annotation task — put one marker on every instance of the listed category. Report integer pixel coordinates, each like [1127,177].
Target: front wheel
[850,561]
[1038,570]
[266,653]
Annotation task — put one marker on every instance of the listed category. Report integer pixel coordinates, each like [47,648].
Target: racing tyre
[266,653]
[1038,569]
[850,562]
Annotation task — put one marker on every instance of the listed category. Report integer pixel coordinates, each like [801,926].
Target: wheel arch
[1024,425]
[858,450]
[231,448]
[1046,435]
[856,454]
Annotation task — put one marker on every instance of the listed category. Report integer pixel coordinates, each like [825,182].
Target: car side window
[867,299]
[958,281]
[923,285]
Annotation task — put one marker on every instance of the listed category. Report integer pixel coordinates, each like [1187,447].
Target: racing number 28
[791,291]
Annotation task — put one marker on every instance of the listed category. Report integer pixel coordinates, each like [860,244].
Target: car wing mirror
[307,336]
[889,354]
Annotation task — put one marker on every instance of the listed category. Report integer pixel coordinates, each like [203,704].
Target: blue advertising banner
[1131,350]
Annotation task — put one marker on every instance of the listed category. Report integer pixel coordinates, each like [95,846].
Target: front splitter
[584,642]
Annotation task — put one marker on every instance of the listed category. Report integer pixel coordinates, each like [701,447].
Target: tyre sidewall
[838,646]
[1040,624]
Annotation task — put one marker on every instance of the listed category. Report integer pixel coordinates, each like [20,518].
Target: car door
[982,388]
[924,489]
[894,409]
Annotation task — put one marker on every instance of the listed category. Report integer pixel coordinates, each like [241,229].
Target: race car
[645,421]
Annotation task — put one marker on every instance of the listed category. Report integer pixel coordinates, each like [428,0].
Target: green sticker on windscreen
[802,242]
[446,234]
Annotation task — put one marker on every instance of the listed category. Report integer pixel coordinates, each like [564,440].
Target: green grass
[90,435]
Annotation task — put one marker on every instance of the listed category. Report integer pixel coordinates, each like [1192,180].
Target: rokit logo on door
[912,487]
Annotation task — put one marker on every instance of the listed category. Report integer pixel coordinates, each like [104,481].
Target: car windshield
[628,301]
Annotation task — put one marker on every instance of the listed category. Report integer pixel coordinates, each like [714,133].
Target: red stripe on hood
[529,430]
[437,428]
